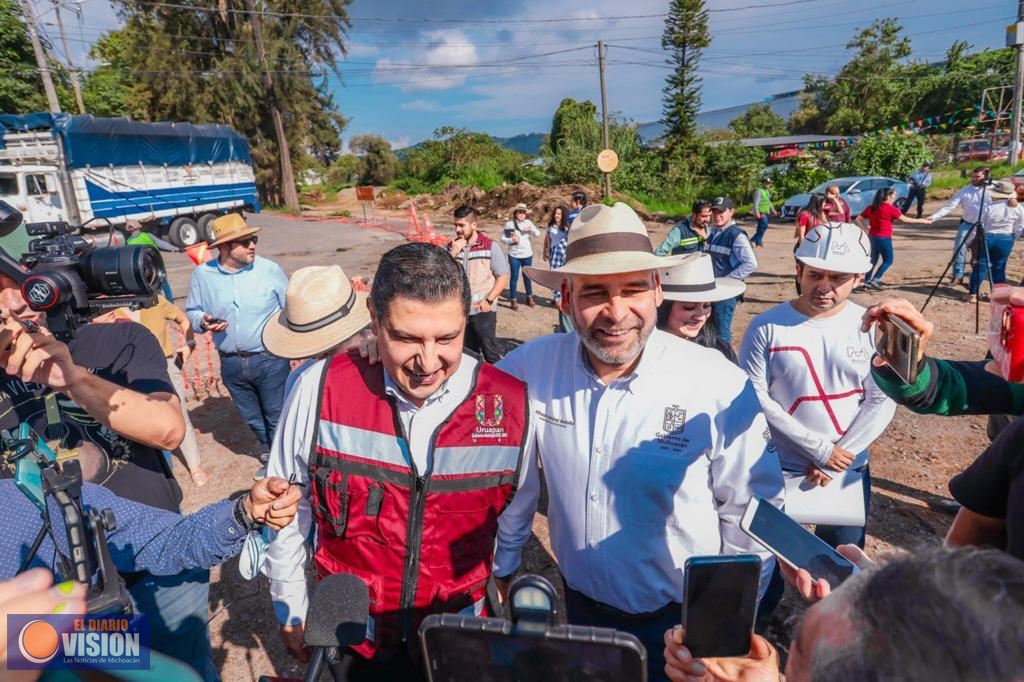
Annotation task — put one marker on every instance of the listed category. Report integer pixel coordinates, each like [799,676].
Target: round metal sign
[608,160]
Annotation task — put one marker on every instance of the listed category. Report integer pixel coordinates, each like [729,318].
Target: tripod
[979,242]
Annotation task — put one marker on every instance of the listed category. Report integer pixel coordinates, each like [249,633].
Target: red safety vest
[422,542]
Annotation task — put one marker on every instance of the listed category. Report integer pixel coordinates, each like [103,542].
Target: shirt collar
[649,360]
[217,264]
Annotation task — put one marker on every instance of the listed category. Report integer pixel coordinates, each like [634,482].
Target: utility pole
[1018,86]
[67,55]
[37,47]
[291,196]
[604,113]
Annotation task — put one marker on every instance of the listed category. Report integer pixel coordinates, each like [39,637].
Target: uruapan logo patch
[497,410]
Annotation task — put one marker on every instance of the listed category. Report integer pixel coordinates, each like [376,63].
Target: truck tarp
[94,142]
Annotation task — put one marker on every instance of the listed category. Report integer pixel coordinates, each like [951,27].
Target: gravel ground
[912,461]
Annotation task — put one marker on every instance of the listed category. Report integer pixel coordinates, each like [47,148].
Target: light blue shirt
[245,299]
[921,178]
[642,473]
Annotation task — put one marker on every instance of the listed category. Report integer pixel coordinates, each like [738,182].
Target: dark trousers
[762,227]
[256,384]
[849,535]
[648,628]
[515,265]
[724,311]
[916,194]
[481,330]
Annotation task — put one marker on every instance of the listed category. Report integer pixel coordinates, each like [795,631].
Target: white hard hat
[836,247]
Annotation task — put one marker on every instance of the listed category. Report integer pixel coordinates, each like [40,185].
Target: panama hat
[229,228]
[695,282]
[1003,189]
[520,207]
[605,240]
[321,310]
[836,247]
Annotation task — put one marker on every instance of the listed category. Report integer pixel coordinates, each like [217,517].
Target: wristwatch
[242,517]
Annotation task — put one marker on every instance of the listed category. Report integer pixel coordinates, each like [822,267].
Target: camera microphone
[337,617]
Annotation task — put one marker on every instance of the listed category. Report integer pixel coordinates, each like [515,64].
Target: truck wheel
[183,232]
[206,227]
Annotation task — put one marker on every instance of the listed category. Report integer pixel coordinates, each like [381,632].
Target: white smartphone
[793,544]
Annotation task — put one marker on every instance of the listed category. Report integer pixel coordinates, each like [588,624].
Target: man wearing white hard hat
[651,446]
[811,365]
[690,289]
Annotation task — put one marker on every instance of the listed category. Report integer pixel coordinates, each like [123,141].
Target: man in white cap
[651,446]
[811,366]
[733,256]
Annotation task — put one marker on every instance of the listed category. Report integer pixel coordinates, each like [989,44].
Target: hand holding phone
[899,345]
[720,604]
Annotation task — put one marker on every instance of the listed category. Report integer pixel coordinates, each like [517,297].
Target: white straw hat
[321,310]
[695,282]
[836,247]
[605,240]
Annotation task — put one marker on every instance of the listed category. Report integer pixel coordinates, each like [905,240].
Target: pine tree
[686,36]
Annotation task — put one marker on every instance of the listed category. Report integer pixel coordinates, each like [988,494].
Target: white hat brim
[830,266]
[610,263]
[286,343]
[725,288]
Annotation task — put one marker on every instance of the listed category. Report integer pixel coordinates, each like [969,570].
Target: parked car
[980,149]
[857,191]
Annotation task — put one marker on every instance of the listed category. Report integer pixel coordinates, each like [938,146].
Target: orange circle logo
[38,641]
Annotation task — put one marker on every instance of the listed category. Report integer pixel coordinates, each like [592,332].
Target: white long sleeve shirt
[523,248]
[969,201]
[1001,218]
[644,472]
[293,441]
[813,376]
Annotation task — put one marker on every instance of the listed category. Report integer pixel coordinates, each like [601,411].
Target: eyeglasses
[245,242]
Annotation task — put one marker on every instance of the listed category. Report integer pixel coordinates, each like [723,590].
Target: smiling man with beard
[651,446]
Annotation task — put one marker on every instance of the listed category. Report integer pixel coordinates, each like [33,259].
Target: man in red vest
[409,464]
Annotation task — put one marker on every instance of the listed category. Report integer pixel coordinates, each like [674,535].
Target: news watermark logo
[69,642]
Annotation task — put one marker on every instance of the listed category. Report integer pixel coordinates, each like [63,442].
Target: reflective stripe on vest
[422,544]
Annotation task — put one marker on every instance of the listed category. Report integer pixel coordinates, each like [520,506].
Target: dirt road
[912,461]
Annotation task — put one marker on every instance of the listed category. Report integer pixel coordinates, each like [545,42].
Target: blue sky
[494,70]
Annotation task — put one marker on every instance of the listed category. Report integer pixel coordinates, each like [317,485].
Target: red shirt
[837,211]
[881,219]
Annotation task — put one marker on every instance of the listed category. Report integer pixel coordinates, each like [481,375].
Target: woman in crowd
[516,234]
[812,215]
[558,230]
[1003,219]
[690,289]
[880,216]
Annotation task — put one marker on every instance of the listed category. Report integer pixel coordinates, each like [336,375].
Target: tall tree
[758,121]
[685,37]
[20,90]
[378,163]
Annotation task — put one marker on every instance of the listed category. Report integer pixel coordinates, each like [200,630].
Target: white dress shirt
[642,473]
[969,201]
[1001,218]
[287,555]
[813,377]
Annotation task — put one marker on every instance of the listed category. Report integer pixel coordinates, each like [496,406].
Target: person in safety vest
[408,466]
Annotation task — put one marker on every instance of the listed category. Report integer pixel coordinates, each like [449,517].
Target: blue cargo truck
[173,178]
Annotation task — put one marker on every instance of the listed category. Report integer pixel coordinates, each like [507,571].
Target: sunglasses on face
[245,242]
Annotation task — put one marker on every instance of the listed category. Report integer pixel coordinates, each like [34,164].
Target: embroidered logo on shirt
[489,426]
[675,419]
[769,443]
[857,354]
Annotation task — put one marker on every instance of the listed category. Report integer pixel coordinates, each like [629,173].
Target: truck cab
[35,191]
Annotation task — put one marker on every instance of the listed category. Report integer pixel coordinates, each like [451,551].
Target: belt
[241,353]
[611,611]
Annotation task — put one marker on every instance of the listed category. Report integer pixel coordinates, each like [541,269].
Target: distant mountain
[527,143]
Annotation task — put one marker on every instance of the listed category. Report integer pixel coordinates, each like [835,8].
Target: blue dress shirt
[245,298]
[145,539]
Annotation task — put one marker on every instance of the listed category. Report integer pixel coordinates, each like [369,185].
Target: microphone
[10,219]
[337,618]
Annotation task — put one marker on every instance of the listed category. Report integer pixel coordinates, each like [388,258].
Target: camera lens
[135,270]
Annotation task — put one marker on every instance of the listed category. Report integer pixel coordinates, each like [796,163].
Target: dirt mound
[496,204]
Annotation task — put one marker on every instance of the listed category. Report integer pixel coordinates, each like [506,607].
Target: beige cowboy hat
[1003,189]
[695,282]
[321,310]
[519,207]
[606,240]
[229,228]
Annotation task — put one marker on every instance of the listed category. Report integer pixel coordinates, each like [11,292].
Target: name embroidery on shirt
[554,421]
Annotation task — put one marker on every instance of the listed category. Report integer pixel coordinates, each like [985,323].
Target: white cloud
[447,48]
[422,105]
[401,143]
[361,49]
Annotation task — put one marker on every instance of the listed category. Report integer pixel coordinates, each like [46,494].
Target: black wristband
[242,517]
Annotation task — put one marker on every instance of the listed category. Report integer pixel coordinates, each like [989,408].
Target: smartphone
[28,472]
[793,544]
[1006,341]
[720,604]
[899,344]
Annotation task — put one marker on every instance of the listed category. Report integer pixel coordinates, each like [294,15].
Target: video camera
[72,280]
[43,480]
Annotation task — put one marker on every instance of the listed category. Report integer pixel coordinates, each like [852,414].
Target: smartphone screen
[789,540]
[720,604]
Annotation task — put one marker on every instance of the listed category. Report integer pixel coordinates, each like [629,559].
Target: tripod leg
[938,283]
